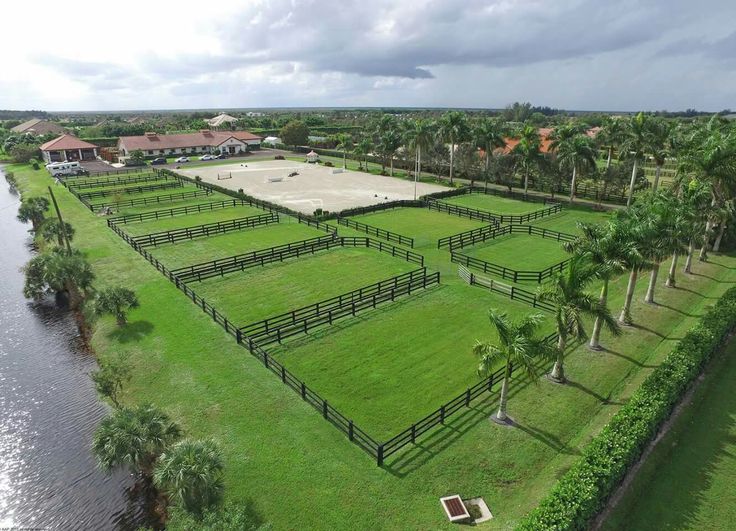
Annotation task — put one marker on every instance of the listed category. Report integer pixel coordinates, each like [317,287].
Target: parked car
[221,156]
[207,157]
[159,160]
[182,159]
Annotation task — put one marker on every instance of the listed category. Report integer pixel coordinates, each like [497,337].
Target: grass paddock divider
[202,231]
[177,211]
[143,201]
[375,231]
[115,181]
[465,212]
[127,190]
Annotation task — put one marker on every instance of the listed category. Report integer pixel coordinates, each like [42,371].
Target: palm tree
[190,472]
[724,216]
[134,438]
[381,127]
[658,146]
[517,347]
[58,271]
[633,146]
[453,128]
[363,148]
[566,292]
[488,135]
[115,301]
[388,144]
[528,153]
[52,229]
[344,144]
[665,236]
[418,136]
[634,227]
[34,210]
[575,151]
[110,377]
[610,136]
[606,250]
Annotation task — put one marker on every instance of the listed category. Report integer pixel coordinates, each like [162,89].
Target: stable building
[205,141]
[68,148]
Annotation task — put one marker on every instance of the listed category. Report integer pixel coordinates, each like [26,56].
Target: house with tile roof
[222,120]
[38,127]
[204,141]
[68,148]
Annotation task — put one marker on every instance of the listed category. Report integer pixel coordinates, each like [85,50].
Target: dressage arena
[315,186]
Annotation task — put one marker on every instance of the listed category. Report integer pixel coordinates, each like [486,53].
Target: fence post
[490,383]
[304,391]
[265,358]
[283,374]
[442,414]
[413,433]
[350,430]
[324,408]
[379,455]
[467,397]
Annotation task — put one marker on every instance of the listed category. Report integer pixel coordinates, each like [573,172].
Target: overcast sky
[573,54]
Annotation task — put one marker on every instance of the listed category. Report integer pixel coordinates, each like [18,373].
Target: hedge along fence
[583,491]
[115,181]
[390,205]
[505,272]
[178,211]
[301,320]
[126,190]
[153,200]
[202,231]
[375,231]
[279,253]
[510,194]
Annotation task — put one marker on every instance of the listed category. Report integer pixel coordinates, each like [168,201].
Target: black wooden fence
[107,192]
[467,237]
[152,200]
[471,213]
[301,320]
[483,234]
[177,211]
[375,231]
[204,230]
[114,181]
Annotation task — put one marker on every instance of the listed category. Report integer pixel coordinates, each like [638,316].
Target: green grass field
[567,220]
[521,252]
[262,292]
[280,455]
[214,197]
[117,186]
[424,225]
[204,249]
[688,480]
[494,203]
[191,220]
[140,195]
[391,367]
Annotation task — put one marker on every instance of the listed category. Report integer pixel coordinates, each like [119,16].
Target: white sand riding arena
[313,187]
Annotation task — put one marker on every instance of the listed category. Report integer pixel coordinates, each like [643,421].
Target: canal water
[49,408]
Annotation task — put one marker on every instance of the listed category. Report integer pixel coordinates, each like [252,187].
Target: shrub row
[582,492]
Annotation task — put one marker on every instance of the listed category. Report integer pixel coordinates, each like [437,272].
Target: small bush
[328,164]
[240,191]
[583,490]
[279,157]
[198,178]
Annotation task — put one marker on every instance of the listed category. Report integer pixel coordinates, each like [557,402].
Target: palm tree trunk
[649,297]
[558,370]
[503,399]
[572,182]
[526,182]
[631,184]
[419,162]
[703,257]
[344,159]
[392,165]
[717,244]
[595,337]
[657,173]
[452,161]
[75,297]
[610,155]
[689,259]
[625,317]
[671,283]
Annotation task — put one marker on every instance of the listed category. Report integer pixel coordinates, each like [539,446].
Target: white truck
[57,169]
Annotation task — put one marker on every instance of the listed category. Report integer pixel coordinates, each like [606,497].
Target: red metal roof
[66,142]
[185,140]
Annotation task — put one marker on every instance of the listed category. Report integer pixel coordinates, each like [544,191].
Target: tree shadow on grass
[695,293]
[605,400]
[131,332]
[628,358]
[714,279]
[650,330]
[548,439]
[677,310]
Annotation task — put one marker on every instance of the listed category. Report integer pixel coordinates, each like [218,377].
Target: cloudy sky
[574,54]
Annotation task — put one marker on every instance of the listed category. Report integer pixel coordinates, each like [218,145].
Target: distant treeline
[6,114]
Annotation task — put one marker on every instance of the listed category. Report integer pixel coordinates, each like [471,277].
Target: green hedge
[583,491]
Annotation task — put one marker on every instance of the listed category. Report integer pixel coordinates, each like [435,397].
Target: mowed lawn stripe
[215,247]
[261,292]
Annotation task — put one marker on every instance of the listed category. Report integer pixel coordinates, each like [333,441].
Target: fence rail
[466,238]
[471,213]
[127,190]
[375,231]
[171,212]
[301,320]
[261,257]
[153,200]
[472,237]
[204,230]
[115,181]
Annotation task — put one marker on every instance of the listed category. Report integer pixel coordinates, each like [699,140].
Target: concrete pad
[315,187]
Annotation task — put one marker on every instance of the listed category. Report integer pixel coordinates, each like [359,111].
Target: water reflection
[49,409]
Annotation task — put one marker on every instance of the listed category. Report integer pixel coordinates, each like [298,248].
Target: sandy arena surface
[314,187]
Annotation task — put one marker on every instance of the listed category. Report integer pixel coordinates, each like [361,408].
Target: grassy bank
[301,473]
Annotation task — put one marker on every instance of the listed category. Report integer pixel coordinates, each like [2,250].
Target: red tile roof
[186,140]
[66,142]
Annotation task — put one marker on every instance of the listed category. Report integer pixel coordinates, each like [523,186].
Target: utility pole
[62,228]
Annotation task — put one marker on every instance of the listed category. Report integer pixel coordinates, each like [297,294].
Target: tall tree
[58,271]
[635,229]
[453,128]
[363,149]
[134,438]
[116,301]
[633,147]
[528,153]
[53,229]
[658,146]
[665,237]
[518,347]
[611,136]
[576,152]
[488,134]
[418,137]
[34,210]
[566,292]
[388,144]
[344,144]
[190,472]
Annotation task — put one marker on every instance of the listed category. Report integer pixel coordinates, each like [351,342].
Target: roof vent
[206,132]
[151,134]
